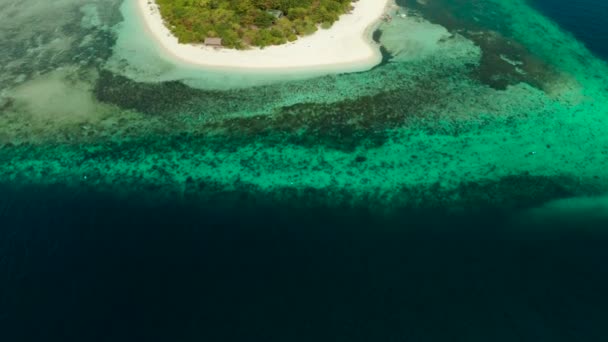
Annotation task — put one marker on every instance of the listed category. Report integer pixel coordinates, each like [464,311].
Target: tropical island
[243,23]
[286,35]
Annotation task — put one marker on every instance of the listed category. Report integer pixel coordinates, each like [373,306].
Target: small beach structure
[213,42]
[275,13]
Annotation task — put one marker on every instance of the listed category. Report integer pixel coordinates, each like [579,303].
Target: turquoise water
[457,191]
[441,113]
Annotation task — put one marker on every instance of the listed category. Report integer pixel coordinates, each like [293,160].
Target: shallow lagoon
[518,99]
[463,175]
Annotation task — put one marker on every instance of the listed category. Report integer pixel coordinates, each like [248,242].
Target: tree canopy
[243,23]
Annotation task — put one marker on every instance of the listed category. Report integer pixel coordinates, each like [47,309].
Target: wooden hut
[213,42]
[275,13]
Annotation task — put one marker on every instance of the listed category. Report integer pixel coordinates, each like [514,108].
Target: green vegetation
[243,23]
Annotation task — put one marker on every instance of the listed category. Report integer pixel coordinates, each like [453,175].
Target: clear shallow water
[456,192]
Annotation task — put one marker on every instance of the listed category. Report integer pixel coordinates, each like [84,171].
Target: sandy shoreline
[347,45]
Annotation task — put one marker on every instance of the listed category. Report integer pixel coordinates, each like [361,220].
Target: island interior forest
[244,23]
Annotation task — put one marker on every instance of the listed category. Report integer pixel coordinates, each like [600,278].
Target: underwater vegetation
[470,97]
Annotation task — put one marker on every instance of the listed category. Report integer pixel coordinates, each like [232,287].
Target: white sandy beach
[346,45]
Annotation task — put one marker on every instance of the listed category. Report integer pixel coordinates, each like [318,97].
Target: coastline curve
[345,47]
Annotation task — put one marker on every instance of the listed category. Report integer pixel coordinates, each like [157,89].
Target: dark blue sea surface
[86,266]
[586,19]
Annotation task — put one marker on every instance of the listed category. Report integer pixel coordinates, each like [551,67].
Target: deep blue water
[586,19]
[86,266]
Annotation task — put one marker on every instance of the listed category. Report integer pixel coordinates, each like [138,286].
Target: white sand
[347,45]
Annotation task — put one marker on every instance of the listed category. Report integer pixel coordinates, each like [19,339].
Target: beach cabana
[215,42]
[276,13]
